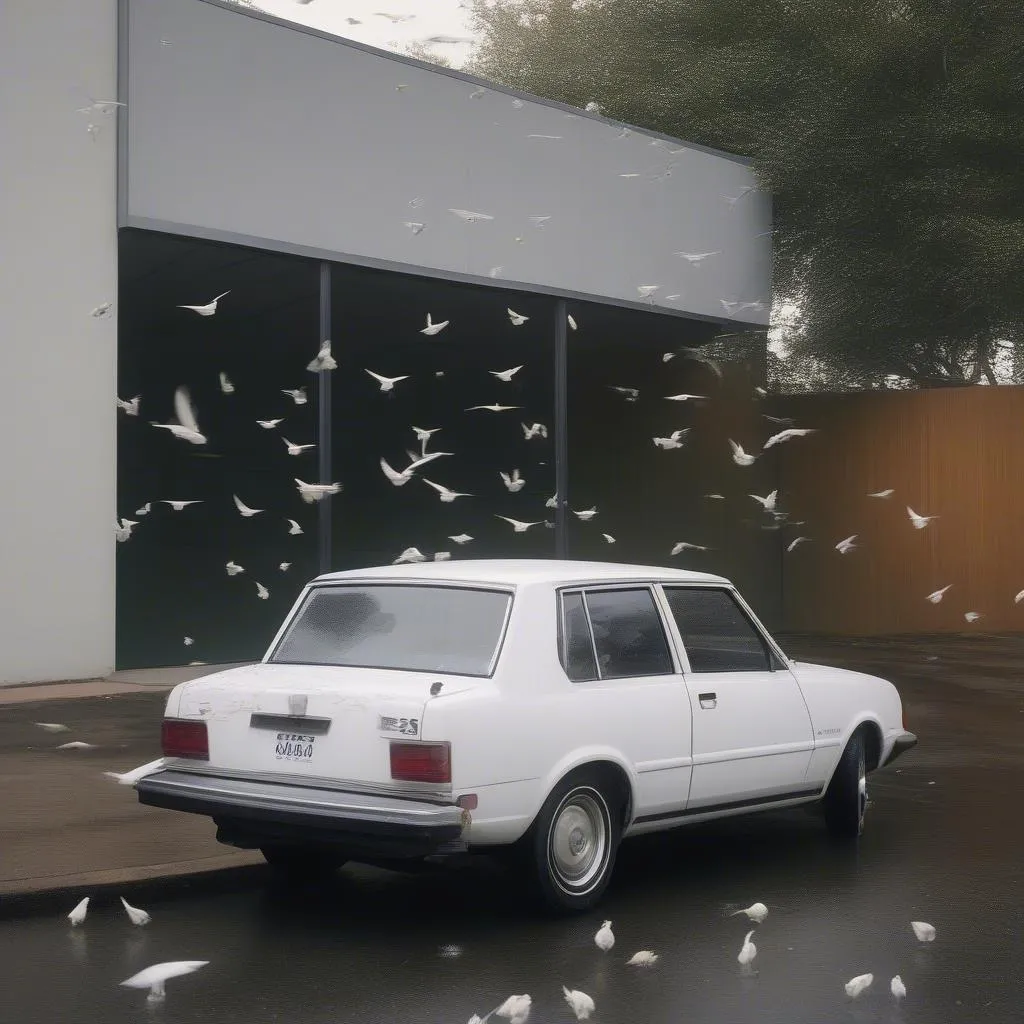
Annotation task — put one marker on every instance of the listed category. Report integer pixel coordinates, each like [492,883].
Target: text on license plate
[294,746]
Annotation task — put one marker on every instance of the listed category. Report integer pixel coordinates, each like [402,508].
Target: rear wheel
[301,862]
[846,798]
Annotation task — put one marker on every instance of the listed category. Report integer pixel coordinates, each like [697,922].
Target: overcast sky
[430,18]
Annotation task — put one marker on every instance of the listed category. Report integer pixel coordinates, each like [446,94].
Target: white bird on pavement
[261,591]
[177,504]
[643,958]
[225,385]
[77,745]
[297,395]
[233,569]
[793,544]
[748,951]
[768,504]
[445,494]
[936,595]
[506,375]
[131,407]
[517,525]
[123,529]
[739,456]
[461,538]
[400,479]
[518,319]
[587,514]
[155,977]
[314,492]
[293,528]
[681,545]
[920,522]
[296,449]
[675,440]
[78,912]
[788,434]
[757,912]
[270,424]
[847,545]
[209,309]
[923,931]
[579,1002]
[534,430]
[683,398]
[135,915]
[855,986]
[244,509]
[410,555]
[494,408]
[186,428]
[887,493]
[52,726]
[514,482]
[432,328]
[897,988]
[130,778]
[387,383]
[323,360]
[605,937]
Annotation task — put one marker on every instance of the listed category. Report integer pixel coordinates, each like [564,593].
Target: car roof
[523,570]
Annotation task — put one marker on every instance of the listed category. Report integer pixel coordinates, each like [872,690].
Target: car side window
[577,647]
[716,632]
[628,634]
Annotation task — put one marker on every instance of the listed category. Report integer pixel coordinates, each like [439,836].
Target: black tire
[846,798]
[572,844]
[298,863]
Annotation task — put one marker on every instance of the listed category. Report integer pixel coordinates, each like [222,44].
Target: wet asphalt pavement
[944,844]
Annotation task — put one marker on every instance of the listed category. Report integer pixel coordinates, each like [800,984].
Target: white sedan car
[551,708]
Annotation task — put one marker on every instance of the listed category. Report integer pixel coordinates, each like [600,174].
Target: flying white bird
[233,569]
[697,356]
[270,424]
[186,428]
[605,937]
[424,436]
[442,556]
[855,986]
[783,421]
[683,398]
[888,492]
[461,538]
[847,545]
[314,492]
[515,1009]
[517,525]
[920,522]
[209,309]
[793,544]
[757,912]
[353,21]
[415,226]
[716,497]
[536,136]
[131,406]
[579,1002]
[135,915]
[178,505]
[897,988]
[400,479]
[630,394]
[748,951]
[518,319]
[760,392]
[1018,597]
[244,509]
[261,591]
[788,434]
[297,395]
[972,616]
[609,539]
[123,529]
[540,220]
[470,216]
[572,322]
[323,360]
[644,958]
[100,107]
[445,40]
[130,778]
[494,408]
[446,495]
[587,514]
[923,931]
[293,528]
[296,449]
[514,482]
[386,383]
[410,555]
[534,430]
[696,258]
[681,545]
[675,440]
[647,290]
[78,912]
[936,595]
[52,726]
[432,329]
[77,745]
[225,385]
[155,977]
[768,504]
[285,566]
[739,456]
[144,510]
[395,19]
[505,375]
[188,641]
[101,312]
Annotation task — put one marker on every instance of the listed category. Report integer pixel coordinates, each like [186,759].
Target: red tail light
[181,737]
[421,762]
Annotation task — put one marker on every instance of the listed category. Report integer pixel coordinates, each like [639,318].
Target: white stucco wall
[58,261]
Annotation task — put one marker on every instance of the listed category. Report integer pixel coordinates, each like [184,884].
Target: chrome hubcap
[862,791]
[578,842]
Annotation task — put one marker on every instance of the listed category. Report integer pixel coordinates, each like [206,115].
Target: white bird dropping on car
[605,937]
[579,1002]
[209,309]
[78,912]
[757,912]
[644,958]
[155,977]
[920,522]
[515,1009]
[323,360]
[855,986]
[897,988]
[431,329]
[847,545]
[135,915]
[748,951]
[923,931]
[130,778]
[936,595]
[739,456]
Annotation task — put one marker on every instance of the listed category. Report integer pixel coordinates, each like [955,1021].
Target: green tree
[889,134]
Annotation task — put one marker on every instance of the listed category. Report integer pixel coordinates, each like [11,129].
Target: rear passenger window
[628,634]
[577,647]
[716,632]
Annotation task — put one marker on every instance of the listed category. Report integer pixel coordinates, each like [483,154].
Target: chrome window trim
[563,648]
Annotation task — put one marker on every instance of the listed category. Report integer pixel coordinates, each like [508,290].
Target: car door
[752,733]
[629,689]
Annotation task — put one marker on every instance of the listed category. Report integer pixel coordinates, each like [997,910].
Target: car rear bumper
[903,742]
[251,814]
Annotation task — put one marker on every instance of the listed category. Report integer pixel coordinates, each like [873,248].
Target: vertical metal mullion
[561,429]
[323,406]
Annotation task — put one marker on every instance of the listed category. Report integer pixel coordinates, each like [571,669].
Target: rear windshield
[416,628]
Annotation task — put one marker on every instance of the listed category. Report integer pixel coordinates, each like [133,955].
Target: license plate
[294,746]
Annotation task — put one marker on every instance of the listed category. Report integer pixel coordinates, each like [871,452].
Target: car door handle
[708,701]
